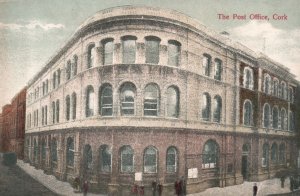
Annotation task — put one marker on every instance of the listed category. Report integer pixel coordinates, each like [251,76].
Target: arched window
[206,61]
[91,53]
[89,107]
[87,157]
[68,108]
[206,105]
[218,69]
[275,87]
[54,150]
[291,121]
[173,53]
[47,86]
[217,108]
[74,103]
[46,115]
[105,158]
[274,153]
[267,84]
[57,111]
[248,113]
[283,90]
[171,160]
[283,119]
[53,112]
[58,77]
[70,151]
[266,116]
[35,151]
[108,50]
[291,95]
[281,153]
[127,98]
[151,100]
[150,160]
[106,100]
[68,70]
[127,161]
[74,65]
[43,149]
[43,115]
[152,49]
[265,155]
[275,117]
[129,49]
[173,102]
[210,154]
[54,80]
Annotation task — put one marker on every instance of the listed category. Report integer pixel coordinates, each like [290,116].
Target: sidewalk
[49,181]
[266,187]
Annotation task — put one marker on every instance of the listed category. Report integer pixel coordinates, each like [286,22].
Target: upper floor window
[171,160]
[283,119]
[46,115]
[150,160]
[105,157]
[46,86]
[291,95]
[74,103]
[106,100]
[267,84]
[57,111]
[291,121]
[210,154]
[108,50]
[53,112]
[87,157]
[217,108]
[58,77]
[275,87]
[218,69]
[68,70]
[275,117]
[206,105]
[127,159]
[127,98]
[206,61]
[68,107]
[89,107]
[74,65]
[54,80]
[283,90]
[91,53]
[266,116]
[152,49]
[70,151]
[172,102]
[151,100]
[173,53]
[281,153]
[248,113]
[129,49]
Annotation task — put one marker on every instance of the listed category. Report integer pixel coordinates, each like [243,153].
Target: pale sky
[31,31]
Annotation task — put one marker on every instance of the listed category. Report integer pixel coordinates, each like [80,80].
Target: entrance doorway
[245,161]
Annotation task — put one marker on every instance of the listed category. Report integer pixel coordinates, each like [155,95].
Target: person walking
[159,189]
[85,187]
[183,186]
[177,187]
[255,189]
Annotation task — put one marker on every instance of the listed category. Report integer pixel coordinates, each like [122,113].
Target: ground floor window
[210,154]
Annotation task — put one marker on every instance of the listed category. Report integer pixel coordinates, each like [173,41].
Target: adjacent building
[13,126]
[140,94]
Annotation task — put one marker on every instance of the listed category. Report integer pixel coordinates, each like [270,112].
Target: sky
[31,31]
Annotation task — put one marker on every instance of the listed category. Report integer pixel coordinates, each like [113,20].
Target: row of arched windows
[207,67]
[277,155]
[277,119]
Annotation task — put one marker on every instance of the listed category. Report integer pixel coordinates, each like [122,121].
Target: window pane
[172,102]
[218,70]
[106,159]
[218,109]
[91,56]
[68,107]
[171,160]
[206,107]
[152,51]
[106,101]
[108,52]
[127,159]
[173,54]
[266,116]
[151,101]
[90,101]
[70,152]
[129,51]
[74,102]
[206,65]
[127,99]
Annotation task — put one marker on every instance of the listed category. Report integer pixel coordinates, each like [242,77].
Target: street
[15,182]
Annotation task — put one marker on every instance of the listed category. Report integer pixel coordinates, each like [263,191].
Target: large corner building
[150,92]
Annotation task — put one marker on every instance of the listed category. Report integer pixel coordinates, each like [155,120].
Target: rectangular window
[108,52]
[173,53]
[129,51]
[152,51]
[206,65]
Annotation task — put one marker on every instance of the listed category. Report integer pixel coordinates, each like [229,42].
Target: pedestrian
[282,179]
[85,187]
[160,189]
[291,183]
[255,189]
[177,187]
[183,186]
[154,187]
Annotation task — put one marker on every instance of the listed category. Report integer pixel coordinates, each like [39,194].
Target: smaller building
[13,127]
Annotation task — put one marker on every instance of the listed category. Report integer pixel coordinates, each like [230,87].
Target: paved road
[15,182]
